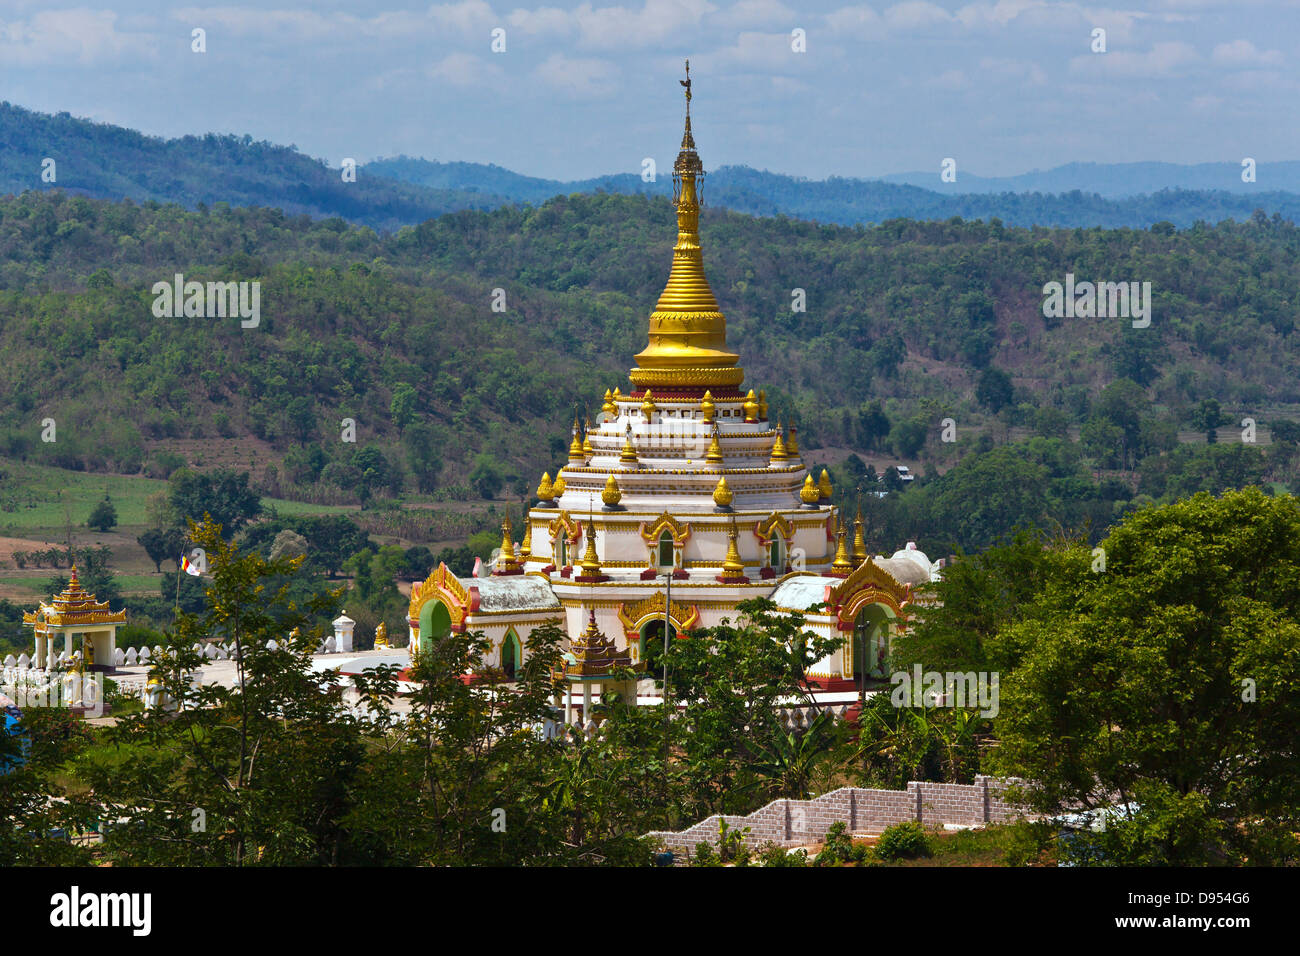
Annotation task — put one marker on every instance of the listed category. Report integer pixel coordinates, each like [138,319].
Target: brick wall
[791,823]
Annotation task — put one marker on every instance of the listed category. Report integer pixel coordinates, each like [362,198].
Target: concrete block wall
[864,812]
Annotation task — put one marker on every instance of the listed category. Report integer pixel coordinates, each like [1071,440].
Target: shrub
[770,854]
[839,847]
[904,841]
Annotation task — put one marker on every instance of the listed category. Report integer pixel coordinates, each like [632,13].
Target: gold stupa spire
[714,455]
[587,450]
[628,455]
[859,542]
[509,563]
[842,564]
[792,446]
[544,489]
[733,569]
[575,446]
[590,561]
[778,446]
[688,333]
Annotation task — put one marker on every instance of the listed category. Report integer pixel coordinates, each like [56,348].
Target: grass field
[44,498]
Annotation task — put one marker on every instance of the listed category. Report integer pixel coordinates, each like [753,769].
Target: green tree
[1180,659]
[103,516]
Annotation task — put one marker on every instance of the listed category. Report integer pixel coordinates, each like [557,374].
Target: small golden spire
[648,406]
[859,541]
[824,485]
[792,446]
[842,564]
[508,561]
[628,455]
[558,486]
[751,407]
[575,446]
[526,545]
[617,396]
[608,406]
[779,453]
[611,495]
[590,562]
[587,450]
[714,455]
[732,567]
[707,408]
[762,404]
[723,495]
[809,493]
[545,491]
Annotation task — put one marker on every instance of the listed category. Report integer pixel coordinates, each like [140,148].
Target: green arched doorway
[511,654]
[435,624]
[871,629]
[650,648]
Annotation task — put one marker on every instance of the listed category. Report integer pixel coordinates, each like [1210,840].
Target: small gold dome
[648,405]
[707,408]
[809,493]
[558,487]
[722,495]
[608,406]
[824,485]
[611,495]
[762,404]
[751,407]
[545,490]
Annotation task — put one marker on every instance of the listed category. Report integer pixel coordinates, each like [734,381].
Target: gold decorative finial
[733,569]
[575,446]
[648,405]
[688,333]
[508,562]
[842,564]
[558,486]
[809,494]
[762,405]
[526,545]
[723,495]
[792,446]
[587,450]
[628,455]
[544,489]
[611,495]
[824,485]
[381,635]
[751,407]
[608,406]
[859,542]
[714,455]
[590,561]
[779,454]
[707,408]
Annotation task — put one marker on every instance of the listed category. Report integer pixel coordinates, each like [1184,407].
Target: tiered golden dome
[544,489]
[809,494]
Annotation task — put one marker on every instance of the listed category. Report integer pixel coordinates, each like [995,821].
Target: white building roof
[514,592]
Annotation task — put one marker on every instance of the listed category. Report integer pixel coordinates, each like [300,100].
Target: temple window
[666,550]
[561,551]
[774,553]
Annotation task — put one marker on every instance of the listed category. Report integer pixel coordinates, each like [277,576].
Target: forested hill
[111,162]
[906,323]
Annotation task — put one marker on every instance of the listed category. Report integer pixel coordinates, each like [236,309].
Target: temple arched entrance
[435,623]
[650,646]
[511,654]
[872,627]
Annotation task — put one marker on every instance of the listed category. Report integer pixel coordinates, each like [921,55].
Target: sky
[579,90]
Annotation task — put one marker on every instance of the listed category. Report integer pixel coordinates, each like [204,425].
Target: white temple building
[682,482]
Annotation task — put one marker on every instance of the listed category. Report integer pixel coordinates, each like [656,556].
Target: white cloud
[465,71]
[577,76]
[756,13]
[1168,58]
[61,37]
[1241,53]
[623,27]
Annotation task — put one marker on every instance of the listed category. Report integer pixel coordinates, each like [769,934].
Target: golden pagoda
[688,332]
